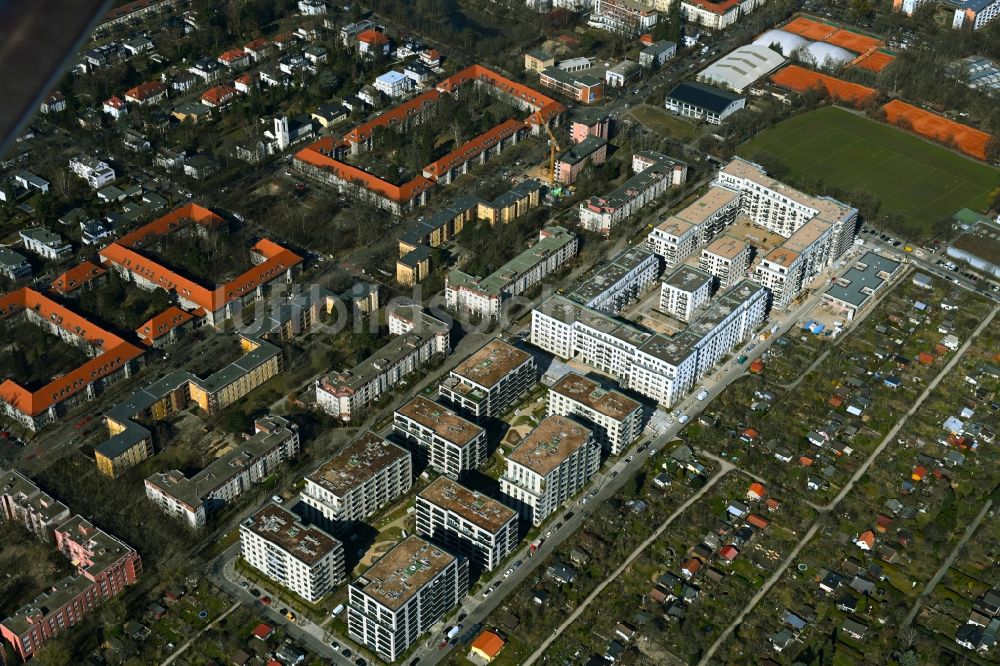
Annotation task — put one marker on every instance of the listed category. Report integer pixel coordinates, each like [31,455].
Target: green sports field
[911,177]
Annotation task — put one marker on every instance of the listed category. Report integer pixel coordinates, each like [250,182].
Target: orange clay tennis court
[809,29]
[822,32]
[932,126]
[800,80]
[876,62]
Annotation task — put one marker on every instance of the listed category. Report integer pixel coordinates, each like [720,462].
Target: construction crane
[553,147]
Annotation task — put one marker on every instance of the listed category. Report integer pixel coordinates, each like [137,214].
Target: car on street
[630,459]
[255,593]
[506,574]
[346,652]
[266,601]
[549,534]
[487,592]
[276,498]
[517,565]
[361,662]
[335,645]
[683,418]
[244,585]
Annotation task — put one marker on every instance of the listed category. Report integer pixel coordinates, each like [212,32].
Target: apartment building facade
[490,381]
[368,474]
[305,560]
[658,366]
[345,395]
[96,172]
[193,499]
[104,565]
[403,595]
[673,240]
[786,270]
[728,259]
[681,234]
[620,281]
[685,291]
[615,419]
[782,209]
[486,296]
[623,17]
[654,173]
[465,522]
[553,463]
[452,444]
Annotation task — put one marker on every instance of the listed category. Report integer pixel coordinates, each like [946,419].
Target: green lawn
[662,121]
[910,176]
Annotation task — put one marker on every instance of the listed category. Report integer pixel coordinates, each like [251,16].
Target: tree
[55,652]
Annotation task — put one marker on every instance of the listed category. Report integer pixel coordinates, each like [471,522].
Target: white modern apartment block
[654,173]
[783,210]
[368,474]
[453,444]
[486,296]
[305,560]
[658,366]
[685,291]
[615,419]
[714,15]
[275,440]
[96,172]
[45,243]
[553,463]
[490,381]
[403,595]
[467,523]
[420,338]
[786,270]
[677,237]
[617,283]
[974,13]
[623,17]
[728,259]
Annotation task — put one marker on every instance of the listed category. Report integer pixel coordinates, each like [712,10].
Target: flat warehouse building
[403,595]
[466,522]
[490,381]
[305,560]
[452,444]
[857,288]
[615,419]
[553,463]
[366,475]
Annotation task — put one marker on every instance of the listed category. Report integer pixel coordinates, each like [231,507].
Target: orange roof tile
[219,94]
[373,37]
[392,116]
[146,90]
[473,148]
[161,324]
[124,253]
[758,489]
[115,102]
[258,44]
[232,55]
[316,155]
[76,277]
[867,538]
[116,353]
[758,521]
[540,104]
[488,643]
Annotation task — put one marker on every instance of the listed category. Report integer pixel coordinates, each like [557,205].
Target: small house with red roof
[263,631]
[756,492]
[865,540]
[882,523]
[115,107]
[919,473]
[84,274]
[147,93]
[372,42]
[749,435]
[235,59]
[729,553]
[246,83]
[757,521]
[646,39]
[757,366]
[772,504]
[285,41]
[259,48]
[691,567]
[431,58]
[219,96]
